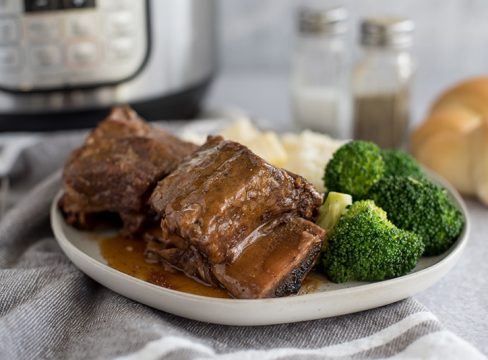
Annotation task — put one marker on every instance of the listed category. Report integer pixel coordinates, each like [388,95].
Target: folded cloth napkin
[51,310]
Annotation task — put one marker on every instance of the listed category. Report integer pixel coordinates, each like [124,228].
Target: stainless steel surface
[387,31]
[182,53]
[314,20]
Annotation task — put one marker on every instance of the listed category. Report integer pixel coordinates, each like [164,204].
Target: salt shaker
[320,72]
[382,81]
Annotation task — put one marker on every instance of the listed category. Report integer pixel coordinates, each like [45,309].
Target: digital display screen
[52,5]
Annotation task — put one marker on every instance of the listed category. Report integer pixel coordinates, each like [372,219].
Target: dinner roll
[453,139]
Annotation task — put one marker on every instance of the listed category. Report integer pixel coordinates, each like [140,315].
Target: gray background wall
[452,34]
[451,38]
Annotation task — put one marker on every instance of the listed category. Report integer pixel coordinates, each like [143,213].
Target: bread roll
[453,139]
[480,160]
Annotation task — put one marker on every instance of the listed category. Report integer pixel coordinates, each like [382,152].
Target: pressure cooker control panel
[53,44]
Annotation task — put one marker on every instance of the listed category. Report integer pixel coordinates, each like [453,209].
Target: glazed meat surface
[281,254]
[116,169]
[233,220]
[218,197]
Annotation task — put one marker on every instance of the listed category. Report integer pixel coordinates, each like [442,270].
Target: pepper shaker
[381,81]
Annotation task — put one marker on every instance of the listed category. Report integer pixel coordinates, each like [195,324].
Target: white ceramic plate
[327,300]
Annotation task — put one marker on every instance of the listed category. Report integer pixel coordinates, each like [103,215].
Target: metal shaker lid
[322,21]
[387,31]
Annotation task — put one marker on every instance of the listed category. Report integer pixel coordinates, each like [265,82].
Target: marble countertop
[460,299]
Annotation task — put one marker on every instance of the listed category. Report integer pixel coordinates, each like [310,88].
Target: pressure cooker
[63,63]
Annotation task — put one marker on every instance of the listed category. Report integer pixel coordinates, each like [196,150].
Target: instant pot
[63,63]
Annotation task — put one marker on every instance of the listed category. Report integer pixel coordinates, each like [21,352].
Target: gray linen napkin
[51,310]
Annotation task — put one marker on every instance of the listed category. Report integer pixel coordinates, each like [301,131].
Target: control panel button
[9,31]
[121,48]
[120,23]
[41,5]
[47,56]
[43,29]
[81,26]
[83,54]
[10,7]
[9,57]
[78,4]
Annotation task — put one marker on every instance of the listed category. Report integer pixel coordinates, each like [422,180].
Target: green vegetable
[354,168]
[365,246]
[421,207]
[331,210]
[399,163]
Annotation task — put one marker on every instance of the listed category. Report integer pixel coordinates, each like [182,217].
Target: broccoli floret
[331,210]
[421,207]
[365,246]
[354,168]
[399,163]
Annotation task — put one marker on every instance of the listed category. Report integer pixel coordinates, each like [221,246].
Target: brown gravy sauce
[127,256]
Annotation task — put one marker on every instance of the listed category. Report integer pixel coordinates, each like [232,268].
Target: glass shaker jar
[320,72]
[381,81]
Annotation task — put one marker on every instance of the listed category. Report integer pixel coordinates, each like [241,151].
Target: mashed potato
[308,153]
[305,154]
